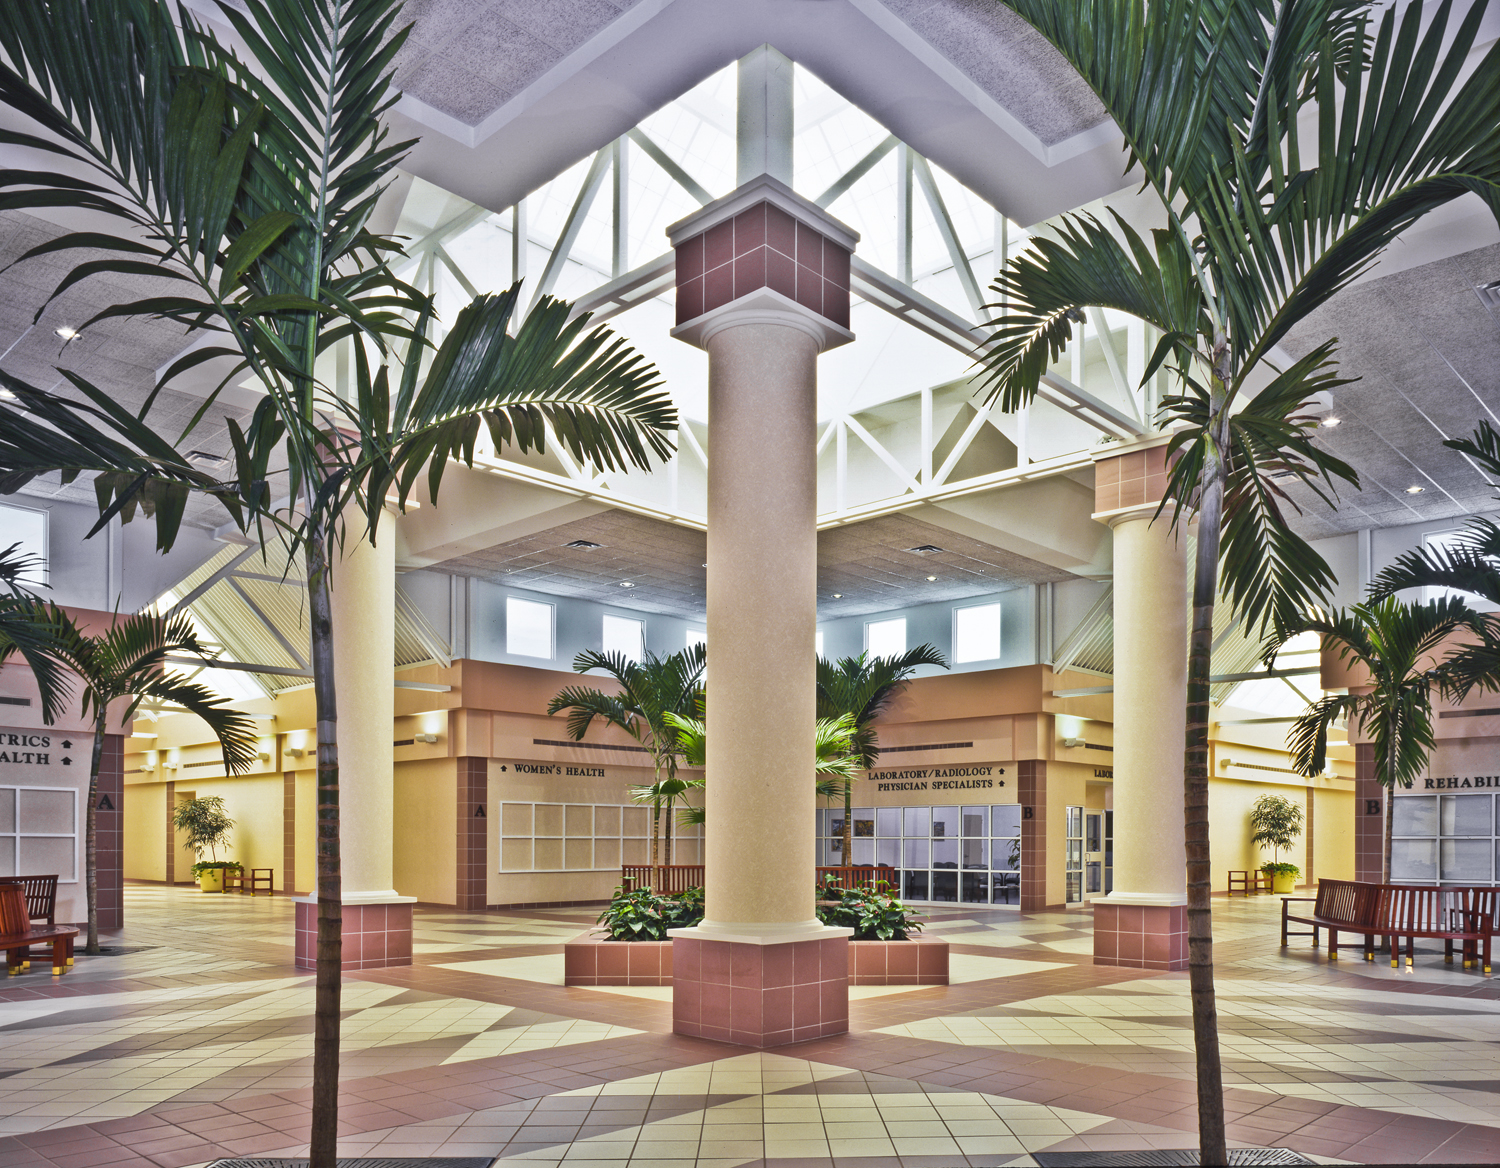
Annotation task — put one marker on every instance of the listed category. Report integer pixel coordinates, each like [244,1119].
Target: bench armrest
[1299,899]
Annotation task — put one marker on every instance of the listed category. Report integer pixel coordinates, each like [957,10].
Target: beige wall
[1333,835]
[145,831]
[255,805]
[425,848]
[306,831]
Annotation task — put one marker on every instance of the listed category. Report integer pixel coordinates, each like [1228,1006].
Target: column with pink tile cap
[763,286]
[377,920]
[1142,923]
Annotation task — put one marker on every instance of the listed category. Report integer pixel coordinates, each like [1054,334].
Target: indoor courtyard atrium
[749,583]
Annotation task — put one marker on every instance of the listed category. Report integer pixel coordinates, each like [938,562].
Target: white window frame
[17,835]
[958,657]
[624,620]
[901,620]
[679,832]
[551,653]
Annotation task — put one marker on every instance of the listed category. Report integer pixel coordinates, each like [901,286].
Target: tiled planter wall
[590,960]
[919,961]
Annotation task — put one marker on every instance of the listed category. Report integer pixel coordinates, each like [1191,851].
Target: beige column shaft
[1151,637]
[762,624]
[364,623]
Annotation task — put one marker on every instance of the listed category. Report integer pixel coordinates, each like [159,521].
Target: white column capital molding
[1115,449]
[763,189]
[1143,511]
[763,306]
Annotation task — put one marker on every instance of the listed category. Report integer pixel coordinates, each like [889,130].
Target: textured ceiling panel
[1009,61]
[1426,353]
[867,564]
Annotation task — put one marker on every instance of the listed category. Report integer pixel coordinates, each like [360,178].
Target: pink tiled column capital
[375,936]
[764,246]
[760,995]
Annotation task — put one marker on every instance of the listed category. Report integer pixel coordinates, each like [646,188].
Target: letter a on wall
[479,811]
[104,804]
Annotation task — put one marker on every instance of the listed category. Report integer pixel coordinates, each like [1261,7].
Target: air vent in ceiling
[207,458]
[1489,295]
[925,549]
[587,544]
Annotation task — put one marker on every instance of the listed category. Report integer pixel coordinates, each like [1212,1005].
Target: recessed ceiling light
[626,584]
[1489,294]
[924,549]
[66,333]
[932,577]
[206,456]
[1330,422]
[586,544]
[7,395]
[1415,490]
[838,596]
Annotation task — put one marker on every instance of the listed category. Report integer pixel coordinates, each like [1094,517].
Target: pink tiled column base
[760,995]
[590,960]
[375,935]
[1140,936]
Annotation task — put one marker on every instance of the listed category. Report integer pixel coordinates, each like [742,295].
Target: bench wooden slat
[1393,911]
[18,934]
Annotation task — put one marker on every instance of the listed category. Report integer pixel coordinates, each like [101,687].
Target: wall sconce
[424,737]
[1071,742]
[295,752]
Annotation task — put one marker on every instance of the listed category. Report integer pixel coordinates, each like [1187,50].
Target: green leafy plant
[1277,821]
[207,824]
[873,913]
[642,915]
[203,866]
[1281,869]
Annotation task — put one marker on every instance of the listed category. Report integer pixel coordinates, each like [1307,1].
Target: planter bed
[919,961]
[591,960]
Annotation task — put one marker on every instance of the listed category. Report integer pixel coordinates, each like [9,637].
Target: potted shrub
[1283,876]
[210,874]
[1277,821]
[207,825]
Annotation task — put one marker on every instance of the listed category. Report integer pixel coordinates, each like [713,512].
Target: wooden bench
[1248,881]
[41,902]
[18,934]
[1341,906]
[664,879]
[1443,914]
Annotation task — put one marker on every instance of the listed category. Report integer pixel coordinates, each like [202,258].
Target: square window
[28,528]
[528,628]
[886,638]
[976,633]
[625,636]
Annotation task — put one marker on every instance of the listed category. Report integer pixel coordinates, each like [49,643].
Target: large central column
[763,286]
[377,921]
[1143,921]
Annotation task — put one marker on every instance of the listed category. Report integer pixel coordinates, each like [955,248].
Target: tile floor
[193,1042]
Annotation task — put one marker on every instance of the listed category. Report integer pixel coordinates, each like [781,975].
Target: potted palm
[207,824]
[1277,822]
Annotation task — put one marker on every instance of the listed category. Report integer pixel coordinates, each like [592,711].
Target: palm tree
[247,175]
[835,763]
[863,687]
[1210,97]
[32,628]
[1471,564]
[649,690]
[128,661]
[1397,644]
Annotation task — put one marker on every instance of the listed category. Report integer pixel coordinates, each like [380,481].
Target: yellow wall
[425,848]
[1229,803]
[1333,835]
[254,803]
[145,831]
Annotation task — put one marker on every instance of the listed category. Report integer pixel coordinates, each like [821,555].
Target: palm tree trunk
[1211,1138]
[323,1144]
[845,847]
[91,834]
[1385,856]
